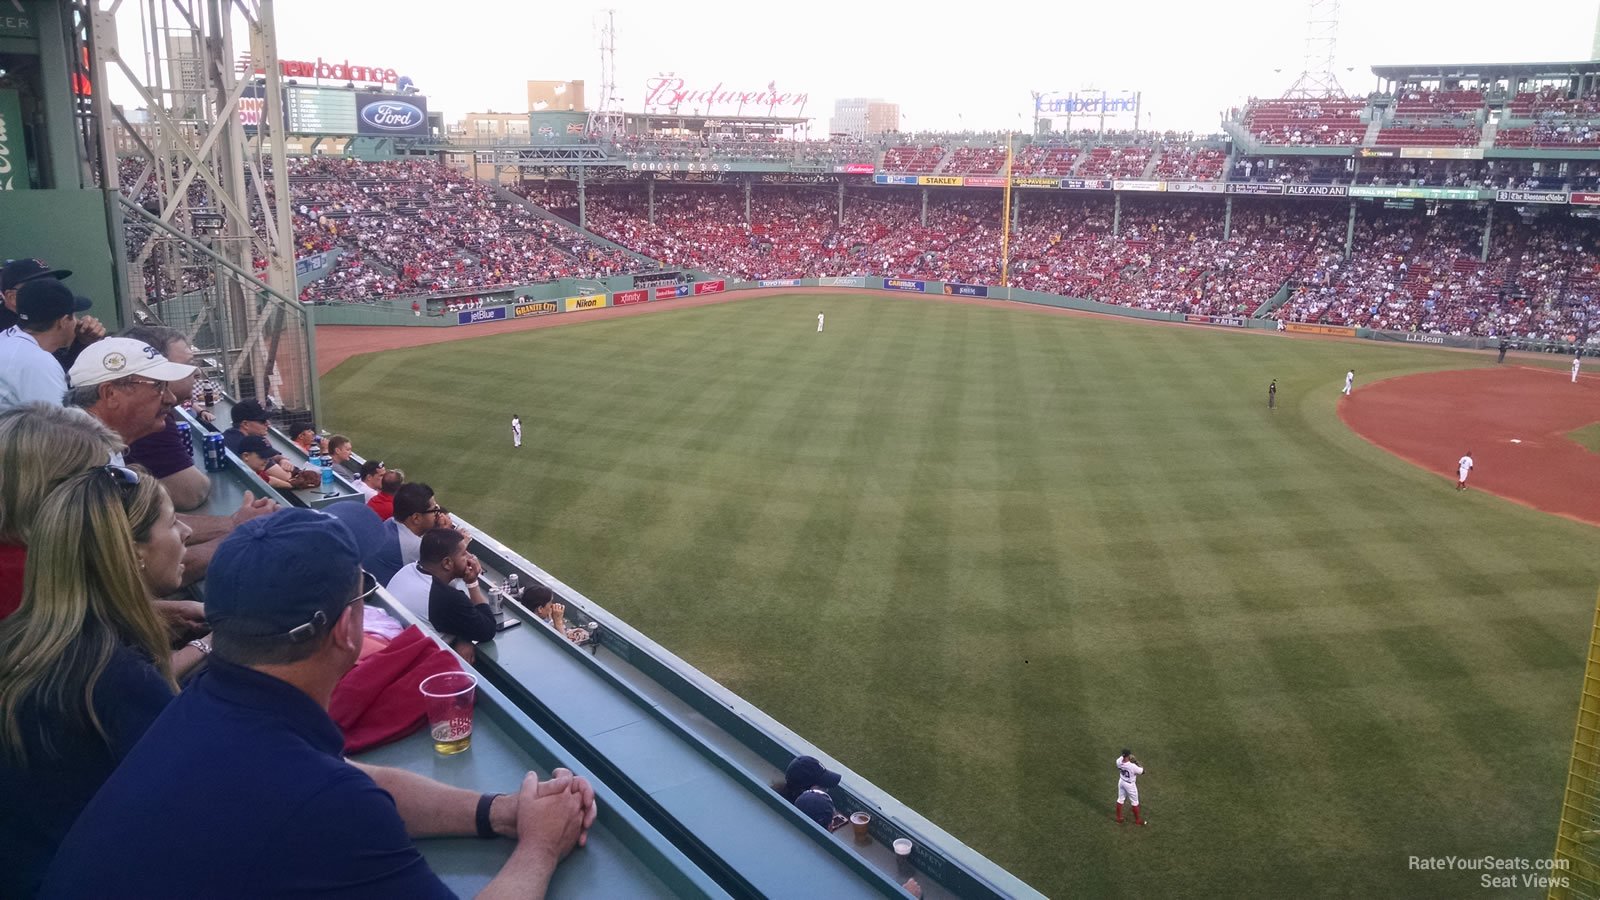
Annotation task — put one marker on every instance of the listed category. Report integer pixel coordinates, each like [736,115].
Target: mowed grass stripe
[972,551]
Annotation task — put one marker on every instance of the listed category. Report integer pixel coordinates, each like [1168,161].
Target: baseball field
[974,552]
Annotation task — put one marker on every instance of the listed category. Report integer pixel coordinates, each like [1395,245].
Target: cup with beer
[448,697]
[859,822]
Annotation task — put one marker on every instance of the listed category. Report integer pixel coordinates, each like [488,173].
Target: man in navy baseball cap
[17,272]
[288,575]
[13,275]
[246,769]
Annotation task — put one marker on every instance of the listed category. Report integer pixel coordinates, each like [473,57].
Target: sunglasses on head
[125,477]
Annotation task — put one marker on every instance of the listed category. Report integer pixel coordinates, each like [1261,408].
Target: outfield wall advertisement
[670,292]
[710,287]
[1227,321]
[535,308]
[1308,328]
[574,304]
[623,298]
[953,289]
[471,316]
[904,284]
[855,281]
[778,282]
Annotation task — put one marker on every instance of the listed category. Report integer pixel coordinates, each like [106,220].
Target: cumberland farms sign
[671,92]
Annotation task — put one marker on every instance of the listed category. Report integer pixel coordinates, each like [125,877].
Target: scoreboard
[312,110]
[344,112]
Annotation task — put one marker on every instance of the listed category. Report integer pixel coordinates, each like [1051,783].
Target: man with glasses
[415,511]
[246,772]
[47,315]
[124,383]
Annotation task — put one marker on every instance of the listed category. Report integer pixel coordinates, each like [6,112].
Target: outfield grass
[973,552]
[1588,436]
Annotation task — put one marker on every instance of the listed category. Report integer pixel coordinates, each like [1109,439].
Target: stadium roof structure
[1488,71]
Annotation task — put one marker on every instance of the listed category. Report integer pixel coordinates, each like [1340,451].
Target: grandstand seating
[912,159]
[1429,136]
[1115,162]
[977,161]
[1422,273]
[1417,104]
[1190,164]
[1326,122]
[1556,134]
[1045,159]
[1553,102]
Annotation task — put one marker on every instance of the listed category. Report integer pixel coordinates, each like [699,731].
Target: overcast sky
[946,70]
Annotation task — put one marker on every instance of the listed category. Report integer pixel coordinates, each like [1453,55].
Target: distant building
[561,96]
[858,117]
[491,125]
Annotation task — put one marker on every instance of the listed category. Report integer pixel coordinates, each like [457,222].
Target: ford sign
[393,116]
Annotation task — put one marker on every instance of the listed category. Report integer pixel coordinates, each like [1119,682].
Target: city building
[857,117]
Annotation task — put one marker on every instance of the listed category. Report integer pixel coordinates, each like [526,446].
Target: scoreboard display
[312,110]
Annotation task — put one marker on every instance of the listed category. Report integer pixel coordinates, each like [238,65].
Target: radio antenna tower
[1322,42]
[607,119]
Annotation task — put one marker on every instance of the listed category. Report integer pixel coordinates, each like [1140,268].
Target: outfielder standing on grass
[1463,467]
[1349,381]
[516,431]
[1272,394]
[1128,772]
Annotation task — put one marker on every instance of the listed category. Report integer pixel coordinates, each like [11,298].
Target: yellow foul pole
[1005,224]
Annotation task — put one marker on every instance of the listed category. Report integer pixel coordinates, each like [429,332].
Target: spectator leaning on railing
[245,772]
[124,384]
[165,453]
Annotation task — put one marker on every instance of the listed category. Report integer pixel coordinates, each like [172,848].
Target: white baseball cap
[113,358]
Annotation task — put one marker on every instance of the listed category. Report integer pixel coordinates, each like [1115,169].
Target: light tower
[606,120]
[1322,41]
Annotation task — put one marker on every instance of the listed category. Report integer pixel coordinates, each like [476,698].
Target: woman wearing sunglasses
[85,663]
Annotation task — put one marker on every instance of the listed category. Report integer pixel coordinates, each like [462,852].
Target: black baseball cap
[249,411]
[17,271]
[808,771]
[46,300]
[257,445]
[371,467]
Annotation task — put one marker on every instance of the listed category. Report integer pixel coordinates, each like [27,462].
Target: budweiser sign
[673,93]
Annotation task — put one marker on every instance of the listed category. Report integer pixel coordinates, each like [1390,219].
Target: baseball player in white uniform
[1349,381]
[1577,362]
[1463,466]
[516,431]
[1128,772]
[819,323]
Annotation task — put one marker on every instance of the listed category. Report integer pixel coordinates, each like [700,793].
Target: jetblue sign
[387,114]
[468,317]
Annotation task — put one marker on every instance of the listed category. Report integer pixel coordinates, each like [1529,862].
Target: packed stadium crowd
[1406,272]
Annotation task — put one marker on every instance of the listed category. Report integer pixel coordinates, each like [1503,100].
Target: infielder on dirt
[1463,466]
[1128,772]
[1577,363]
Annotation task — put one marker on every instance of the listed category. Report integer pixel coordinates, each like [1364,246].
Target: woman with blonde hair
[40,446]
[85,662]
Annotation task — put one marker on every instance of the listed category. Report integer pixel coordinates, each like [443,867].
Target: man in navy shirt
[243,774]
